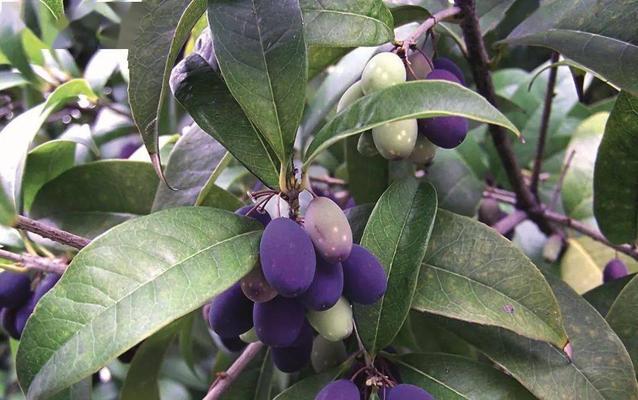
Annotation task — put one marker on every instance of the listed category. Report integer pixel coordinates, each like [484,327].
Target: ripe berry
[450,66]
[8,317]
[382,71]
[256,287]
[296,356]
[614,269]
[264,218]
[335,323]
[233,344]
[351,95]
[407,392]
[396,140]
[329,229]
[364,278]
[279,321]
[15,289]
[231,313]
[326,288]
[342,389]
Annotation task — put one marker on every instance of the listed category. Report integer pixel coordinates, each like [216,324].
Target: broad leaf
[347,23]
[70,90]
[161,31]
[9,79]
[55,6]
[91,198]
[262,55]
[368,177]
[183,257]
[447,376]
[472,273]
[358,218]
[308,388]
[321,57]
[205,96]
[603,296]
[397,233]
[615,188]
[418,99]
[217,197]
[623,319]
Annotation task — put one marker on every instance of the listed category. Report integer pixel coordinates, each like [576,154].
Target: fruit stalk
[224,380]
[49,232]
[34,262]
[429,24]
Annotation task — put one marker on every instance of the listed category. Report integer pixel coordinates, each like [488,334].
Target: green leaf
[255,383]
[190,164]
[603,296]
[219,198]
[447,376]
[262,55]
[472,273]
[161,31]
[308,388]
[368,177]
[141,381]
[91,198]
[55,6]
[397,233]
[70,90]
[9,79]
[105,303]
[600,368]
[349,23]
[321,57]
[623,319]
[615,189]
[418,99]
[11,27]
[205,96]
[358,218]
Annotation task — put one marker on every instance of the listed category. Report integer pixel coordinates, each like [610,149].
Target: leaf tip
[568,351]
[157,166]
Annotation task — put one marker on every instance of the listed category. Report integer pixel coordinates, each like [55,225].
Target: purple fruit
[8,317]
[279,321]
[231,313]
[233,345]
[329,229]
[364,279]
[264,218]
[326,288]
[293,358]
[256,287]
[407,392]
[205,48]
[287,257]
[23,313]
[614,269]
[443,75]
[342,389]
[450,66]
[15,289]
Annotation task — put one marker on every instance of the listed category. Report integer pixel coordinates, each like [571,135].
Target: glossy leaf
[397,234]
[349,23]
[472,273]
[368,177]
[447,376]
[69,90]
[181,261]
[615,189]
[602,297]
[91,198]
[418,99]
[622,318]
[161,31]
[262,55]
[205,96]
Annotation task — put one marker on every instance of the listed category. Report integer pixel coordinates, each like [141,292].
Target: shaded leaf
[358,218]
[219,198]
[603,296]
[9,79]
[11,47]
[308,388]
[55,6]
[623,319]
[321,57]
[255,383]
[368,177]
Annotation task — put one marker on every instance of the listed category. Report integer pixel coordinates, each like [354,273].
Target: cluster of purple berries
[309,273]
[17,300]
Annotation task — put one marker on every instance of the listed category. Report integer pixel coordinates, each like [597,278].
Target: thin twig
[223,382]
[49,232]
[329,180]
[510,222]
[542,135]
[34,262]
[427,25]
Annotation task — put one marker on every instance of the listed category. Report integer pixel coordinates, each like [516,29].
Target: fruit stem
[427,25]
[49,232]
[28,262]
[224,380]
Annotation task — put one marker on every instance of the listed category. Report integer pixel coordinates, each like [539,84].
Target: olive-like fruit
[424,151]
[233,344]
[279,321]
[329,229]
[614,269]
[396,140]
[364,279]
[450,66]
[419,67]
[342,389]
[231,313]
[335,323]
[326,288]
[354,93]
[251,212]
[256,287]
[382,71]
[287,256]
[296,356]
[8,318]
[327,354]
[407,392]
[15,289]
[365,145]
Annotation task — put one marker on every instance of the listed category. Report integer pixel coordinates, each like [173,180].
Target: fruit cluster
[412,139]
[310,271]
[17,300]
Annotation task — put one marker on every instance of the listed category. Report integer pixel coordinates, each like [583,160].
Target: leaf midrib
[355,15]
[423,373]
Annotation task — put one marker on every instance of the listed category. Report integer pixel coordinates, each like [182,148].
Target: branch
[542,136]
[478,60]
[34,262]
[49,232]
[427,25]
[225,379]
[510,222]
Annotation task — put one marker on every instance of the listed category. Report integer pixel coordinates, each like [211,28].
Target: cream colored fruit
[396,140]
[351,95]
[335,323]
[382,71]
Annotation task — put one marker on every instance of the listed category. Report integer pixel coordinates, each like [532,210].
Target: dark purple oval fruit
[342,389]
[15,289]
[407,392]
[614,269]
[328,229]
[264,218]
[293,358]
[279,321]
[8,318]
[231,313]
[23,313]
[256,287]
[233,344]
[287,257]
[364,279]
[450,66]
[326,288]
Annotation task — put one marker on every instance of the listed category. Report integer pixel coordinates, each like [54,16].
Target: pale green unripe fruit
[335,323]
[327,354]
[396,140]
[249,336]
[382,71]
[351,95]
[424,151]
[365,145]
[329,229]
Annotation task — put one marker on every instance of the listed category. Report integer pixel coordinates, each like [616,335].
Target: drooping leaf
[603,296]
[183,257]
[349,23]
[447,376]
[9,79]
[615,188]
[623,319]
[472,273]
[91,198]
[160,32]
[417,99]
[261,52]
[205,96]
[397,233]
[217,197]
